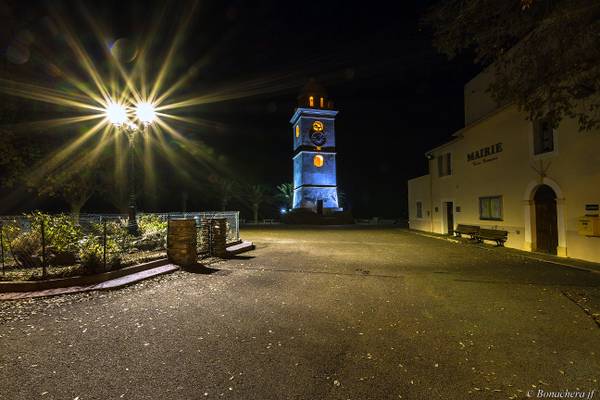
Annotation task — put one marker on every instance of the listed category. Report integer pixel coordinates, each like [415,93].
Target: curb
[32,286]
[111,284]
[559,263]
[516,252]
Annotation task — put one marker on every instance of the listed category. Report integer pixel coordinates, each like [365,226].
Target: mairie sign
[485,152]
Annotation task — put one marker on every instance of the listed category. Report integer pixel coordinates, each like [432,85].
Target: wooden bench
[471,230]
[493,235]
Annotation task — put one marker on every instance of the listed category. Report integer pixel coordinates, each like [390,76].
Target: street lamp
[117,114]
[145,113]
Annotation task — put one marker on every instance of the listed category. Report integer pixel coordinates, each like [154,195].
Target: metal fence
[232,217]
[41,246]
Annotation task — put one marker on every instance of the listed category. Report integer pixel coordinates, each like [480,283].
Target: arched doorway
[546,228]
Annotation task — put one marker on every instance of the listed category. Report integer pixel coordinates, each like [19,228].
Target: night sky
[396,96]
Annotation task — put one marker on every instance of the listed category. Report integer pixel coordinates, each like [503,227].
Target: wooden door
[450,217]
[545,220]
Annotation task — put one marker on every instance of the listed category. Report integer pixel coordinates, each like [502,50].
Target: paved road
[315,314]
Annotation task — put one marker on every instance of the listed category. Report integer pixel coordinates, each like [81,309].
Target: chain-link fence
[232,217]
[41,246]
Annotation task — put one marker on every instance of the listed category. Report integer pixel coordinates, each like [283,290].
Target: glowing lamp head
[116,114]
[145,113]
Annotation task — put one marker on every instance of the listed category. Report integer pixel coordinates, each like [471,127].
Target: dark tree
[285,194]
[226,189]
[545,53]
[256,195]
[17,149]
[74,186]
[115,190]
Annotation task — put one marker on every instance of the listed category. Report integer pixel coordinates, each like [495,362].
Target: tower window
[322,103]
[318,161]
[311,101]
[297,130]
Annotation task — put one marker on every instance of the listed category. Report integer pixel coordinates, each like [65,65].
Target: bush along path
[39,246]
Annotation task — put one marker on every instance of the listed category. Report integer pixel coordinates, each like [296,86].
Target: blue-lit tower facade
[313,128]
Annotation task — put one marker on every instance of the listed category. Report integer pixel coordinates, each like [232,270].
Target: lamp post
[132,226]
[117,114]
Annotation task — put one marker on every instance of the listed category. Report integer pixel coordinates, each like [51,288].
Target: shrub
[61,237]
[152,224]
[153,233]
[91,254]
[118,234]
[61,232]
[91,248]
[26,247]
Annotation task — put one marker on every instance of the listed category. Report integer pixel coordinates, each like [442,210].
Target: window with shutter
[543,137]
[444,162]
[490,208]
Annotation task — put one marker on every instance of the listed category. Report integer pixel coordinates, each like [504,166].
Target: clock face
[317,135]
[318,138]
[317,126]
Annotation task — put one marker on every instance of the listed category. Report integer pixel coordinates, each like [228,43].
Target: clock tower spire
[315,183]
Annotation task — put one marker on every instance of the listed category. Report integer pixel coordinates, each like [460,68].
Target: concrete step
[240,248]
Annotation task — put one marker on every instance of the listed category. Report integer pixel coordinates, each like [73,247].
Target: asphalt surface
[353,313]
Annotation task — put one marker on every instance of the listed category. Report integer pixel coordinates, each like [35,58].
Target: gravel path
[326,313]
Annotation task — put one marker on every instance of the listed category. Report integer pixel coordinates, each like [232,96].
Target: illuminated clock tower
[315,184]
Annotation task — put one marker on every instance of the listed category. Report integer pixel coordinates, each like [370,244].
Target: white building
[501,171]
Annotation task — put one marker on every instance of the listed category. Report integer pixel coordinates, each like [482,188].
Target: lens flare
[116,114]
[145,113]
[115,103]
